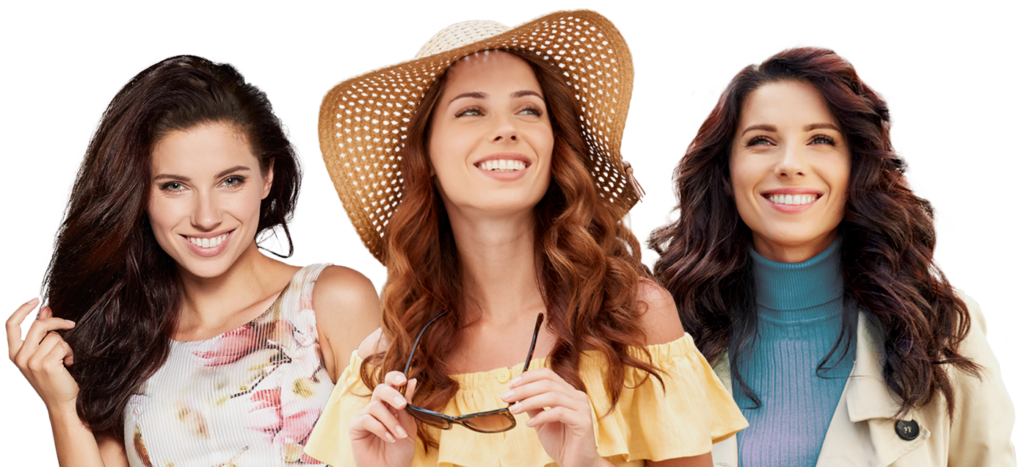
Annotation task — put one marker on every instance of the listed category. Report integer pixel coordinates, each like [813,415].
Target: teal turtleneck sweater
[799,310]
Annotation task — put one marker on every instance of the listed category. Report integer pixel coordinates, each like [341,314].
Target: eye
[172,186]
[758,141]
[823,139]
[234,180]
[531,110]
[469,111]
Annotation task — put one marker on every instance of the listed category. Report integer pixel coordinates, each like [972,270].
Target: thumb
[69,355]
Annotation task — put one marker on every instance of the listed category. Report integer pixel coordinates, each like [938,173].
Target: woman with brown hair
[486,176]
[169,339]
[802,264]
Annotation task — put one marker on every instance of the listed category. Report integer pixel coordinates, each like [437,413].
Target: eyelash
[238,181]
[817,139]
[535,110]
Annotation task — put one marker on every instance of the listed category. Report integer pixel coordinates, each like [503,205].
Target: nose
[791,162]
[205,213]
[505,130]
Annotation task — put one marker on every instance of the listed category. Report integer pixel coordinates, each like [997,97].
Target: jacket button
[907,430]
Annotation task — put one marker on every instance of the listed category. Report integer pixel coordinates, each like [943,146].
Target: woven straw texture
[363,120]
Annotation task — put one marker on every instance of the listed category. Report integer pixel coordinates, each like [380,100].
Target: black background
[65,68]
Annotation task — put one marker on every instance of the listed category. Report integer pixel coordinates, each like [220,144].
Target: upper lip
[793,190]
[511,156]
[209,234]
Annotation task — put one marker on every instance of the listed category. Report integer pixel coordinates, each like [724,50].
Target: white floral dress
[248,397]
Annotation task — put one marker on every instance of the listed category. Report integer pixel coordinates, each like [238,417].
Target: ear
[268,179]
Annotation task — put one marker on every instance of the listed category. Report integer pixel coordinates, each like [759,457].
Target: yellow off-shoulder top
[648,423]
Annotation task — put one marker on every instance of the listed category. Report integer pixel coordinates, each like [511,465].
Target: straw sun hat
[364,120]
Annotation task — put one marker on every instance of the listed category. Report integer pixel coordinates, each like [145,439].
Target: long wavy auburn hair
[888,239]
[107,272]
[588,264]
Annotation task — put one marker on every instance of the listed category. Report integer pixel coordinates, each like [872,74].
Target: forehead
[785,102]
[207,146]
[490,70]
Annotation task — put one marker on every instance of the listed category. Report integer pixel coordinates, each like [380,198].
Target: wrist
[63,412]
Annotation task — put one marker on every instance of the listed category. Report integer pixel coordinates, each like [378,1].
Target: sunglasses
[493,421]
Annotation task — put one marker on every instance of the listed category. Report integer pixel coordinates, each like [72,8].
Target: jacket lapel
[863,428]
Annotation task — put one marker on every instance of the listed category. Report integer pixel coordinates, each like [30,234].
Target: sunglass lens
[428,417]
[495,423]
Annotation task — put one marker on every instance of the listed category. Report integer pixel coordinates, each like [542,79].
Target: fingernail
[401,379]
[391,439]
[34,300]
[508,396]
[516,408]
[514,381]
[530,423]
[401,432]
[399,401]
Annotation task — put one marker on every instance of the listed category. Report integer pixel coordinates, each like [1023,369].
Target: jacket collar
[867,394]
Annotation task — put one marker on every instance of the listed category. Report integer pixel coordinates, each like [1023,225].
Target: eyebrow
[483,95]
[237,168]
[811,127]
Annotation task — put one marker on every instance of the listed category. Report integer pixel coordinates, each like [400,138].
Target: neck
[207,300]
[498,264]
[793,253]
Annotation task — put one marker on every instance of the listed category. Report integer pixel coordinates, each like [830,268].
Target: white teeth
[792,199]
[502,165]
[207,242]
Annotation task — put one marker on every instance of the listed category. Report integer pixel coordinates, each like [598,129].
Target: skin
[205,181]
[787,140]
[501,111]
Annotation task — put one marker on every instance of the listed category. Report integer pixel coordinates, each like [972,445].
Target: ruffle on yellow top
[692,412]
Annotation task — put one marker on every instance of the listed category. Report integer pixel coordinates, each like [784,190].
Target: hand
[43,355]
[560,413]
[383,433]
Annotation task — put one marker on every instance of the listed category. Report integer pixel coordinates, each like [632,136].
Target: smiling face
[490,138]
[204,204]
[789,169]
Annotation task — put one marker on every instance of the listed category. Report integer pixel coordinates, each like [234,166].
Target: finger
[69,353]
[37,361]
[366,423]
[389,419]
[556,415]
[535,388]
[45,312]
[542,401]
[394,379]
[41,327]
[57,357]
[410,389]
[536,375]
[14,326]
[388,395]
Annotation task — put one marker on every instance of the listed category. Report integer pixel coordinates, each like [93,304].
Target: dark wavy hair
[107,273]
[888,239]
[588,264]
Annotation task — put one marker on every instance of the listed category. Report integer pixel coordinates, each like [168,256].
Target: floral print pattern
[248,397]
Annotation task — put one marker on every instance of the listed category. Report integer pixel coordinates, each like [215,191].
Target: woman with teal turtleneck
[802,265]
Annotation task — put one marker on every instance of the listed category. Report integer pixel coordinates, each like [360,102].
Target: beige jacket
[863,431]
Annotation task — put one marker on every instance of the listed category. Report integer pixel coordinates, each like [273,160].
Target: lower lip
[504,176]
[209,252]
[791,207]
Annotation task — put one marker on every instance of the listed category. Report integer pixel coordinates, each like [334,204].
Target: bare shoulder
[374,343]
[112,451]
[347,310]
[661,320]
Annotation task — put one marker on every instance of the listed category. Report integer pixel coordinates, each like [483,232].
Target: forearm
[76,445]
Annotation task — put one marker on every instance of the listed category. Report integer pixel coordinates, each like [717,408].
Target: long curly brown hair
[588,264]
[888,239]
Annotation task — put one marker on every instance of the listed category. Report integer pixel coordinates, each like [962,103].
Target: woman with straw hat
[486,175]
